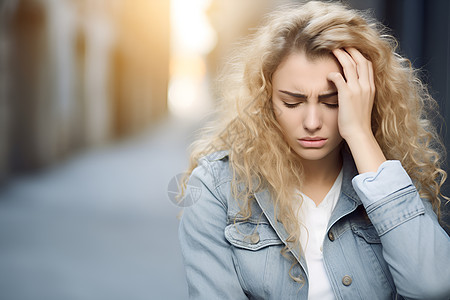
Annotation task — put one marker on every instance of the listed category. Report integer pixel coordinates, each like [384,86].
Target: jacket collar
[348,201]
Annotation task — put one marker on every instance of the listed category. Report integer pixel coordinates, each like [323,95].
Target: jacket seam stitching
[399,221]
[372,207]
[219,195]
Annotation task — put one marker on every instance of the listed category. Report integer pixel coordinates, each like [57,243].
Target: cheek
[288,119]
[278,109]
[279,113]
[333,124]
[332,117]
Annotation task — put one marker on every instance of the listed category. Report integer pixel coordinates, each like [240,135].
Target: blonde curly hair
[245,123]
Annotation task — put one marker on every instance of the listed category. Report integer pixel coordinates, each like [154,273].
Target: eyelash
[290,105]
[332,105]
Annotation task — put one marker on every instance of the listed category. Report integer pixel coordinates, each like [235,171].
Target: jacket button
[254,238]
[331,236]
[346,280]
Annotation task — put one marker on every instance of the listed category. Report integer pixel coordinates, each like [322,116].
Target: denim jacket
[382,241]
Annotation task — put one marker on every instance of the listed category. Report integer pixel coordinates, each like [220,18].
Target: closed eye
[331,105]
[291,105]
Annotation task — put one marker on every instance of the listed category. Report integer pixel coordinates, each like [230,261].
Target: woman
[321,172]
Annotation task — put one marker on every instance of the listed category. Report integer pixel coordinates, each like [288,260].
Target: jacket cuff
[389,196]
[374,186]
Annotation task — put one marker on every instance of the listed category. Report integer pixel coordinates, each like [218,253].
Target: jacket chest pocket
[371,253]
[368,243]
[256,256]
[367,233]
[251,236]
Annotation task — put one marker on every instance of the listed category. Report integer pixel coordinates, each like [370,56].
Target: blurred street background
[99,100]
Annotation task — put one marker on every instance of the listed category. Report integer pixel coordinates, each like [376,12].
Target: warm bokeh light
[192,38]
[191,31]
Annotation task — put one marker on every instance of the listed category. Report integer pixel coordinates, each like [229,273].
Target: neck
[323,171]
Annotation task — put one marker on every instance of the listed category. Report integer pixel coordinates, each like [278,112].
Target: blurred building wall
[75,74]
[141,63]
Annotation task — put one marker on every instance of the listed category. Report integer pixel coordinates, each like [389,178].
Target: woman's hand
[356,94]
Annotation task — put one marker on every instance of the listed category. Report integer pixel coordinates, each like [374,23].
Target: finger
[348,65]
[362,64]
[344,51]
[338,81]
[347,57]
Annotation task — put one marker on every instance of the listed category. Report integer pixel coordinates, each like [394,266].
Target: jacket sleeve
[415,246]
[207,255]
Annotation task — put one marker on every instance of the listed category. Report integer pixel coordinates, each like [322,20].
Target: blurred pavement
[98,226]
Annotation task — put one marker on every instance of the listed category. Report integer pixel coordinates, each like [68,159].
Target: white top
[313,225]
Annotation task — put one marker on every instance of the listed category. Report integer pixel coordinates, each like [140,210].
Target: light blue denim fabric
[382,242]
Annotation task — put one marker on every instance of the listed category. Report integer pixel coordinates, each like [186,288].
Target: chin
[312,154]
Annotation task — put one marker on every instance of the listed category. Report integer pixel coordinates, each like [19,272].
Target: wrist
[366,151]
[358,136]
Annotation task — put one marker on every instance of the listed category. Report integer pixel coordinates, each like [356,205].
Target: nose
[312,120]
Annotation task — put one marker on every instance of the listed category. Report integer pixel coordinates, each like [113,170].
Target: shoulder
[215,167]
[212,177]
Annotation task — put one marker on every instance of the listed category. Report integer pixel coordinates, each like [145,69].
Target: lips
[312,142]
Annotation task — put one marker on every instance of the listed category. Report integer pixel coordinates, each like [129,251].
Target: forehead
[301,73]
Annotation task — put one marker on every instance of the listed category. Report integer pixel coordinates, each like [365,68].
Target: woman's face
[306,106]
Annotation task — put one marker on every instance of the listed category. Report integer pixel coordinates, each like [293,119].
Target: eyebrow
[302,96]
